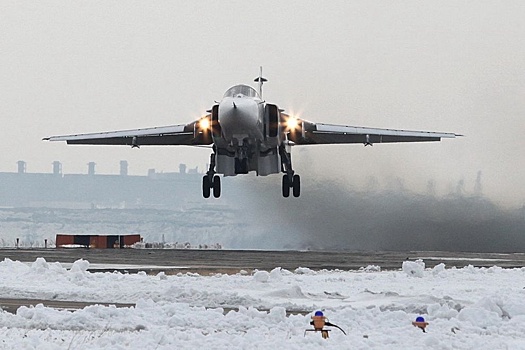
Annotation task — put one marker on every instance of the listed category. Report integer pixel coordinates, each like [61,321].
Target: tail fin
[261,81]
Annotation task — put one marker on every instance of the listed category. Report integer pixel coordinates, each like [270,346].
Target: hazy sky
[453,66]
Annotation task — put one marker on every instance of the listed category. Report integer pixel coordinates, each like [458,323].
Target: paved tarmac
[12,304]
[186,260]
[173,261]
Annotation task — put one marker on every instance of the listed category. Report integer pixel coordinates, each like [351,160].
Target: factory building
[96,241]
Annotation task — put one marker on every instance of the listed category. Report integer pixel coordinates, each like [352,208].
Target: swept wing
[318,133]
[183,134]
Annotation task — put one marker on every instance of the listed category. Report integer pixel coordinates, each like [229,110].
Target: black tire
[205,186]
[286,186]
[237,166]
[216,186]
[296,185]
[241,166]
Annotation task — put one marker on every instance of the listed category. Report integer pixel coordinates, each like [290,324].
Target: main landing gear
[294,184]
[209,184]
[210,181]
[290,180]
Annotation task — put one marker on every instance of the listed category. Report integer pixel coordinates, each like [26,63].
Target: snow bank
[371,268]
[261,276]
[467,308]
[414,268]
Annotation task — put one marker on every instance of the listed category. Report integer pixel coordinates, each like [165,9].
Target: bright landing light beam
[292,123]
[204,124]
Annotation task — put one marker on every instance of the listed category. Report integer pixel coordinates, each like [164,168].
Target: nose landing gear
[241,166]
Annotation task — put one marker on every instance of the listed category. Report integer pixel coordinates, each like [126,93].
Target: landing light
[204,124]
[292,123]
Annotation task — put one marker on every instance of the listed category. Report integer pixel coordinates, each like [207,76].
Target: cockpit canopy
[244,90]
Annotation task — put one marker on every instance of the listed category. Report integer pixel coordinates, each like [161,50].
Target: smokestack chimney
[91,168]
[21,167]
[57,168]
[123,168]
[478,187]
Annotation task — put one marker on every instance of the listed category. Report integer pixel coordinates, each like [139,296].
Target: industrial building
[91,190]
[96,241]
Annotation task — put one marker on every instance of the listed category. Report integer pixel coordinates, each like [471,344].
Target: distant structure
[96,241]
[57,168]
[91,168]
[372,184]
[478,188]
[21,167]
[194,170]
[182,168]
[55,189]
[460,187]
[431,188]
[123,168]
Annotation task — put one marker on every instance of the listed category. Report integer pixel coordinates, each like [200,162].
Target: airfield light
[420,323]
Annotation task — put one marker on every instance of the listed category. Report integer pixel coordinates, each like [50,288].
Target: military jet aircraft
[246,134]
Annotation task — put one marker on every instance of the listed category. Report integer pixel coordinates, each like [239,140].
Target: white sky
[454,66]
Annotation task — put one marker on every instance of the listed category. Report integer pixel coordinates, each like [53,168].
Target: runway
[232,261]
[205,262]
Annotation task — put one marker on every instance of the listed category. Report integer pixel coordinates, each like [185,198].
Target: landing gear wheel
[241,166]
[216,186]
[286,186]
[296,185]
[237,166]
[205,186]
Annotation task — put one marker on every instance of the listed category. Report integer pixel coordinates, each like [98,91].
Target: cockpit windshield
[238,90]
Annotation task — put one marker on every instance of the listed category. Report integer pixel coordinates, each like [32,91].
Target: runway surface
[212,261]
[204,262]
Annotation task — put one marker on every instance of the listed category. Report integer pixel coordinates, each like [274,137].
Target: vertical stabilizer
[261,81]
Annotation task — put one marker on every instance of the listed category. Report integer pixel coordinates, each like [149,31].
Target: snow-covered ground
[467,308]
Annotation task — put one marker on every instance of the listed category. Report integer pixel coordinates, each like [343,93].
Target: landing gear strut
[211,181]
[290,179]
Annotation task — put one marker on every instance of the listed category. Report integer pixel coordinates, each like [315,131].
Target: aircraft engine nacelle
[215,127]
[272,125]
[294,128]
[208,128]
[201,130]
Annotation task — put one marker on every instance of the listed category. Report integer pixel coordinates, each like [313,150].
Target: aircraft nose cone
[238,115]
